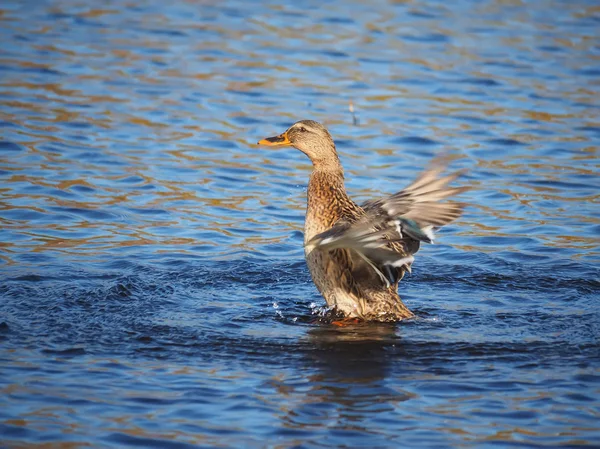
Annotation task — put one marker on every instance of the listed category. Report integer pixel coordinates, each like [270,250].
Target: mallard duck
[357,254]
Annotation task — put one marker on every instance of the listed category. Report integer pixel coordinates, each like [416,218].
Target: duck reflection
[346,386]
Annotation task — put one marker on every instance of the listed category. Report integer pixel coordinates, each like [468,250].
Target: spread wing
[391,229]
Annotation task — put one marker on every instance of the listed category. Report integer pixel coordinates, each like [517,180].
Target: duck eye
[302,129]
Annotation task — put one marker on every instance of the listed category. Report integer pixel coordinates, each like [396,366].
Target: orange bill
[281,139]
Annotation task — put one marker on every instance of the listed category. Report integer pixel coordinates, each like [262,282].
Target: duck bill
[280,140]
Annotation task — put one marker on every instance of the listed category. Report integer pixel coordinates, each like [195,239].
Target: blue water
[153,290]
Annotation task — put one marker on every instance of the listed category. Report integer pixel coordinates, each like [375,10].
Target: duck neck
[330,164]
[326,183]
[326,196]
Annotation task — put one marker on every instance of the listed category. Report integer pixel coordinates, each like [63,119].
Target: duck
[358,254]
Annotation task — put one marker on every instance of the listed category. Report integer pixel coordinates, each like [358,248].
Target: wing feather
[391,229]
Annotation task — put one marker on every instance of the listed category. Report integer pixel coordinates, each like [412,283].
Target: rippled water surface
[153,290]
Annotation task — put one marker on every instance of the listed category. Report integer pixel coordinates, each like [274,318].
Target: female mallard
[356,255]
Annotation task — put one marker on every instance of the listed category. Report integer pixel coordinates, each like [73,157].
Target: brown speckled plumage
[356,255]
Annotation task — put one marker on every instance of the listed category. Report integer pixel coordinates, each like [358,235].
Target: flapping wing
[391,229]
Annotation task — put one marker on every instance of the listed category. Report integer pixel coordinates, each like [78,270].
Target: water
[153,287]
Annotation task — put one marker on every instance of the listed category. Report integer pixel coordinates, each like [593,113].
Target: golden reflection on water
[173,128]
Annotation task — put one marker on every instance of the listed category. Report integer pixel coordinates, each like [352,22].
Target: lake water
[153,289]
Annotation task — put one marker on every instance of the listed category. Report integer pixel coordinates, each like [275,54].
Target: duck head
[311,138]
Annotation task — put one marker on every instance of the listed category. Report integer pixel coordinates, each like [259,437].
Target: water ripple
[152,279]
